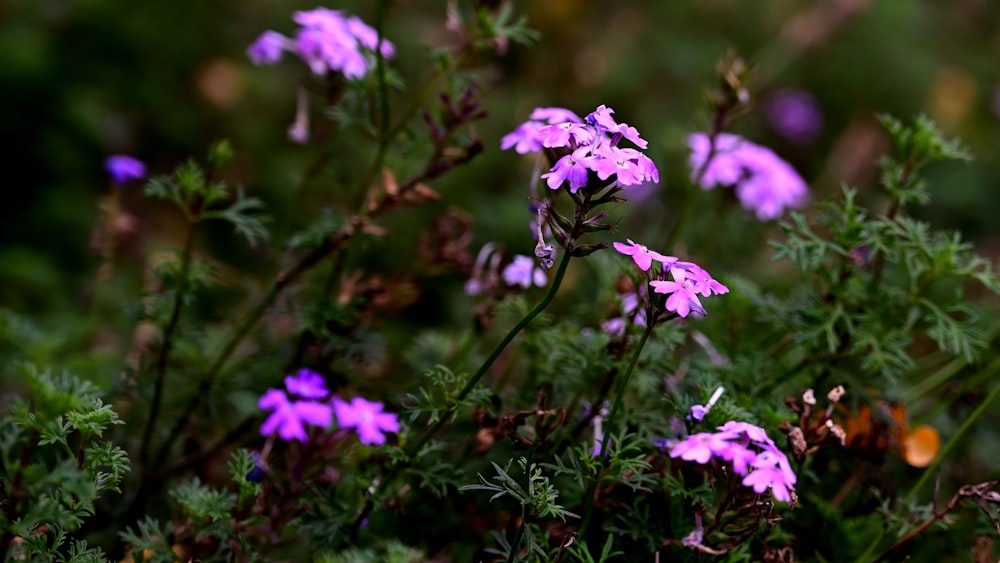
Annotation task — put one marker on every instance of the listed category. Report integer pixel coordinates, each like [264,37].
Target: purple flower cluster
[689,280]
[289,418]
[764,183]
[523,272]
[122,168]
[328,40]
[591,145]
[752,454]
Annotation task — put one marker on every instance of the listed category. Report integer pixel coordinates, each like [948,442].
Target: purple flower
[703,281]
[696,536]
[642,256]
[367,418]
[267,49]
[524,139]
[746,447]
[290,417]
[594,143]
[523,272]
[614,327]
[683,292]
[256,475]
[123,168]
[326,41]
[700,447]
[601,117]
[764,183]
[566,134]
[795,115]
[571,168]
[771,471]
[307,384]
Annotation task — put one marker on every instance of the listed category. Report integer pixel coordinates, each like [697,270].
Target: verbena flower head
[367,418]
[289,418]
[689,280]
[268,48]
[123,168]
[748,450]
[307,384]
[523,272]
[764,183]
[795,115]
[327,41]
[587,145]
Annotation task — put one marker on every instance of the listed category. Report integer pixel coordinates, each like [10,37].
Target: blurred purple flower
[123,168]
[256,475]
[764,183]
[367,418]
[307,384]
[523,272]
[267,49]
[328,40]
[795,115]
[290,417]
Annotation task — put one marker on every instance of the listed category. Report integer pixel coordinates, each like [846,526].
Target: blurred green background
[83,79]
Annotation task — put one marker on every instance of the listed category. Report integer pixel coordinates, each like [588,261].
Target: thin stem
[556,282]
[415,448]
[615,407]
[952,443]
[249,321]
[168,333]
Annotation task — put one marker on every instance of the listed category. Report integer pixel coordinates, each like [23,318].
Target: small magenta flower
[764,183]
[367,418]
[123,168]
[307,384]
[290,417]
[523,272]
[267,49]
[795,115]
[683,292]
[642,255]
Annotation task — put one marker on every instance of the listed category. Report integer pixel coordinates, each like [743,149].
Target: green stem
[415,448]
[168,333]
[952,443]
[556,282]
[615,407]
[249,321]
